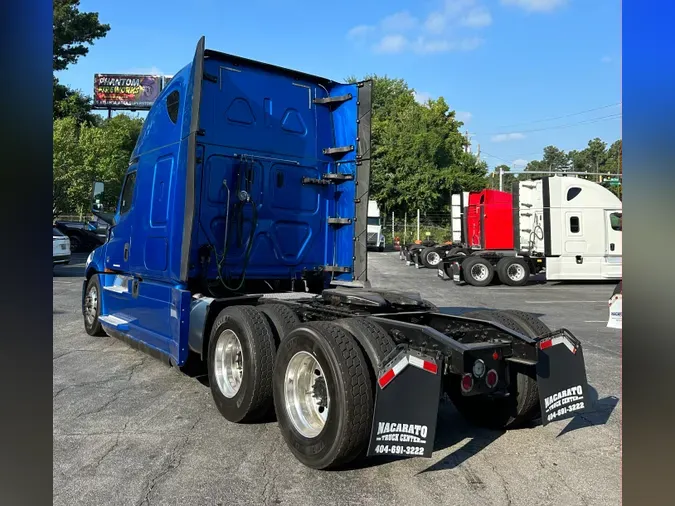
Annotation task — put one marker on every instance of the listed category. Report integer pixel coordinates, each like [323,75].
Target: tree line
[596,158]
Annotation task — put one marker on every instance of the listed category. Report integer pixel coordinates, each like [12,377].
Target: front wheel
[91,307]
[323,395]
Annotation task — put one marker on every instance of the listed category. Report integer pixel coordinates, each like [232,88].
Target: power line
[558,127]
[563,116]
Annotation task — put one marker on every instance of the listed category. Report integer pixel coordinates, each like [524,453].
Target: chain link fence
[406,228]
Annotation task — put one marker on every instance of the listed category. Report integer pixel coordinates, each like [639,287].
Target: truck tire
[458,252]
[241,363]
[534,325]
[325,419]
[91,308]
[282,320]
[513,271]
[431,257]
[478,271]
[374,340]
[521,406]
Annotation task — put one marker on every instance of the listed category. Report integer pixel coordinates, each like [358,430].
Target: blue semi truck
[239,240]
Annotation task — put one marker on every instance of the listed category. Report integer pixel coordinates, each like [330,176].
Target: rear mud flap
[456,270]
[406,406]
[561,377]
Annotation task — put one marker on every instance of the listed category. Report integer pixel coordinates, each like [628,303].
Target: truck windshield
[373,220]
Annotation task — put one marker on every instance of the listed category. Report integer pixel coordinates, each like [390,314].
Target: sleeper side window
[573,192]
[128,193]
[172,105]
[575,225]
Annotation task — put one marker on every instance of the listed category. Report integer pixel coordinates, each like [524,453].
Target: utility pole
[501,178]
[478,153]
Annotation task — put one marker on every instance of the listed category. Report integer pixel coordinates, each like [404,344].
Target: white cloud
[606,59]
[463,116]
[479,17]
[423,46]
[520,162]
[448,28]
[515,136]
[359,32]
[146,71]
[470,44]
[536,5]
[421,97]
[435,22]
[391,44]
[399,22]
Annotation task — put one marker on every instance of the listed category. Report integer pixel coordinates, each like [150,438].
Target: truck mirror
[97,196]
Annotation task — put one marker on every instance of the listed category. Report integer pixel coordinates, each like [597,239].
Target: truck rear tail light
[478,368]
[491,378]
[495,355]
[467,383]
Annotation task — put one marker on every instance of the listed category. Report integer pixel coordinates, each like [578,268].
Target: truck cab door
[118,248]
[613,244]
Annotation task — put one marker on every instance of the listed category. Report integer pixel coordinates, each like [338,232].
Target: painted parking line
[565,301]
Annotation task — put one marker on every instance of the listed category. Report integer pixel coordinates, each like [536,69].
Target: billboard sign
[126,91]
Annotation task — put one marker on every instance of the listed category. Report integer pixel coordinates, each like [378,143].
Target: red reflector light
[467,382]
[430,366]
[545,344]
[491,378]
[386,378]
[495,356]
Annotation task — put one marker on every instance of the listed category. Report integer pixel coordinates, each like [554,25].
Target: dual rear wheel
[317,377]
[512,271]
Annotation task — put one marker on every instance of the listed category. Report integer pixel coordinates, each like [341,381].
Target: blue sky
[522,74]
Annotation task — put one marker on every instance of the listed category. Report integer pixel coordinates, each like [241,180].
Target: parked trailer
[567,227]
[272,294]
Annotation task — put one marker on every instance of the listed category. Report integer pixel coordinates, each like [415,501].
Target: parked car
[60,247]
[615,311]
[82,238]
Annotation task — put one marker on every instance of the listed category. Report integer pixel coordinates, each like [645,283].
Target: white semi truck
[568,227]
[375,237]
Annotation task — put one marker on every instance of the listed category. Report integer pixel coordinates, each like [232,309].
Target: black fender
[203,312]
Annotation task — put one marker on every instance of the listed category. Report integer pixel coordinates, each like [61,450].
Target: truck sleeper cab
[239,239]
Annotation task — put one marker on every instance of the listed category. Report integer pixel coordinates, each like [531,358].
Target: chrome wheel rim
[515,272]
[306,394]
[229,363]
[90,305]
[433,258]
[479,272]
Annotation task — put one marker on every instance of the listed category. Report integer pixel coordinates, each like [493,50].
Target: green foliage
[85,153]
[596,157]
[418,150]
[74,31]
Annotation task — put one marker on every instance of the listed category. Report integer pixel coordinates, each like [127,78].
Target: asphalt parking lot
[129,430]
